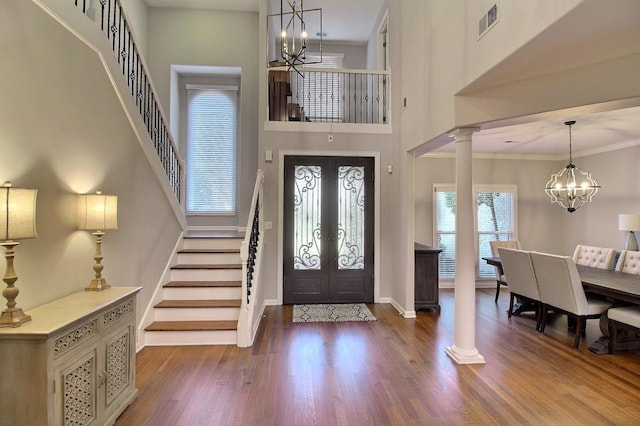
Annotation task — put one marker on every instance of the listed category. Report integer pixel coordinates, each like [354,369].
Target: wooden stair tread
[199,304]
[210,250]
[208,266]
[192,326]
[187,284]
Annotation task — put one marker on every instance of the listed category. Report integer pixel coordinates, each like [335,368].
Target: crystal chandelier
[571,187]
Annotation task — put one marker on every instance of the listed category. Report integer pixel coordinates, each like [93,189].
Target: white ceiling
[590,40]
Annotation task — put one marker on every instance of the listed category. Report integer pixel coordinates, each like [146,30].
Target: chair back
[629,262]
[518,269]
[596,257]
[495,245]
[559,283]
[511,244]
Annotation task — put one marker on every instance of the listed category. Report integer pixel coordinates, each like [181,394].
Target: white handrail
[250,256]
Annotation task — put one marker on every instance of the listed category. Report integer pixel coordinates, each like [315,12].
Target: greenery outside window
[495,219]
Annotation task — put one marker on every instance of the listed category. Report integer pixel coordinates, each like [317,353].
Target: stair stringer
[147,317]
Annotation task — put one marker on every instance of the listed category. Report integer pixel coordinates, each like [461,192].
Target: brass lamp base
[13,317]
[98,284]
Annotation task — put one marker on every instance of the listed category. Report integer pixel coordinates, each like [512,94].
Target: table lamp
[97,213]
[631,223]
[17,222]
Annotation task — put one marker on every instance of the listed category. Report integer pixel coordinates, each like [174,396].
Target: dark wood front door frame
[330,284]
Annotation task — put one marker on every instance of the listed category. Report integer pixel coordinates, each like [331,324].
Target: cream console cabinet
[73,363]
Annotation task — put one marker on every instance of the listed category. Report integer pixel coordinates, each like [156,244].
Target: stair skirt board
[193,293]
[196,314]
[191,338]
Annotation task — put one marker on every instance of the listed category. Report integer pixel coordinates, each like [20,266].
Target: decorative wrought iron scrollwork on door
[307,217]
[351,217]
[328,229]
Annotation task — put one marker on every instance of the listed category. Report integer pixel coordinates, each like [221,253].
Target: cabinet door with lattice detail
[118,375]
[76,389]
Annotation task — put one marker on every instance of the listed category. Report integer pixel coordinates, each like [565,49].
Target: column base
[461,356]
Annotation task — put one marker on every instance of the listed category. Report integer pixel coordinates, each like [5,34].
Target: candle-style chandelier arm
[571,187]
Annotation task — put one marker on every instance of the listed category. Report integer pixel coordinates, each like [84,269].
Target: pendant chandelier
[293,33]
[571,187]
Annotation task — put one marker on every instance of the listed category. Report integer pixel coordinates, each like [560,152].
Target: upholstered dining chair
[500,278]
[518,270]
[629,262]
[561,290]
[596,257]
[627,317]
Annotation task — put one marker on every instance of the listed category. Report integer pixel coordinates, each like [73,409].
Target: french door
[328,230]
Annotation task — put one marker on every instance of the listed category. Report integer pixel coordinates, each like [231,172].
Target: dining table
[620,287]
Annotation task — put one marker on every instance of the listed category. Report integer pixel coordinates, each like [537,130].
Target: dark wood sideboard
[426,277]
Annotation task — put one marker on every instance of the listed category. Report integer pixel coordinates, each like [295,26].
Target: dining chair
[629,262]
[500,278]
[596,257]
[561,290]
[518,270]
[626,317]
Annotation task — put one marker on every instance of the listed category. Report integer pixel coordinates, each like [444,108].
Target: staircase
[201,303]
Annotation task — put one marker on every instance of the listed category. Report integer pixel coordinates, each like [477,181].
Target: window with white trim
[495,219]
[212,123]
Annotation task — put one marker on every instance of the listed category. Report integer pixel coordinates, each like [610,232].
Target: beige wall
[63,131]
[136,13]
[543,226]
[212,38]
[462,80]
[295,143]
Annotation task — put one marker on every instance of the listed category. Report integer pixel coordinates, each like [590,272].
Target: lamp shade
[17,213]
[97,212]
[629,222]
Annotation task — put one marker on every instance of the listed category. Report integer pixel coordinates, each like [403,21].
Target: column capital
[463,133]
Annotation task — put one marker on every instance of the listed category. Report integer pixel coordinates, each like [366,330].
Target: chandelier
[571,187]
[293,33]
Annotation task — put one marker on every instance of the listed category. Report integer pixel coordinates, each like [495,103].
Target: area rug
[332,313]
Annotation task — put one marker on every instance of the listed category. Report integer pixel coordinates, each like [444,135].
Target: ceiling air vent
[488,21]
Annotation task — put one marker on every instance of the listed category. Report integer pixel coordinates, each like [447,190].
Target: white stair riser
[207,243]
[206,274]
[201,293]
[183,338]
[208,258]
[196,314]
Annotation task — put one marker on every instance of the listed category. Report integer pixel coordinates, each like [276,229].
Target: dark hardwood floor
[390,372]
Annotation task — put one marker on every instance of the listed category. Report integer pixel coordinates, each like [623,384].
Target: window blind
[495,219]
[211,149]
[320,93]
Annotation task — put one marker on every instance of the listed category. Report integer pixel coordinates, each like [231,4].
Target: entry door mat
[333,312]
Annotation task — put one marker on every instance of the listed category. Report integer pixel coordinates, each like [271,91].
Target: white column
[464,351]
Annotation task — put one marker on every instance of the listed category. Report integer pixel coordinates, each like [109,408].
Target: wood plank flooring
[390,372]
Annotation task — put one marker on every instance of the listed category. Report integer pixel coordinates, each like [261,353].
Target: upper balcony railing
[111,20]
[329,95]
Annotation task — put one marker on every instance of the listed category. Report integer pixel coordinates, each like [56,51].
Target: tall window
[321,93]
[212,117]
[495,219]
